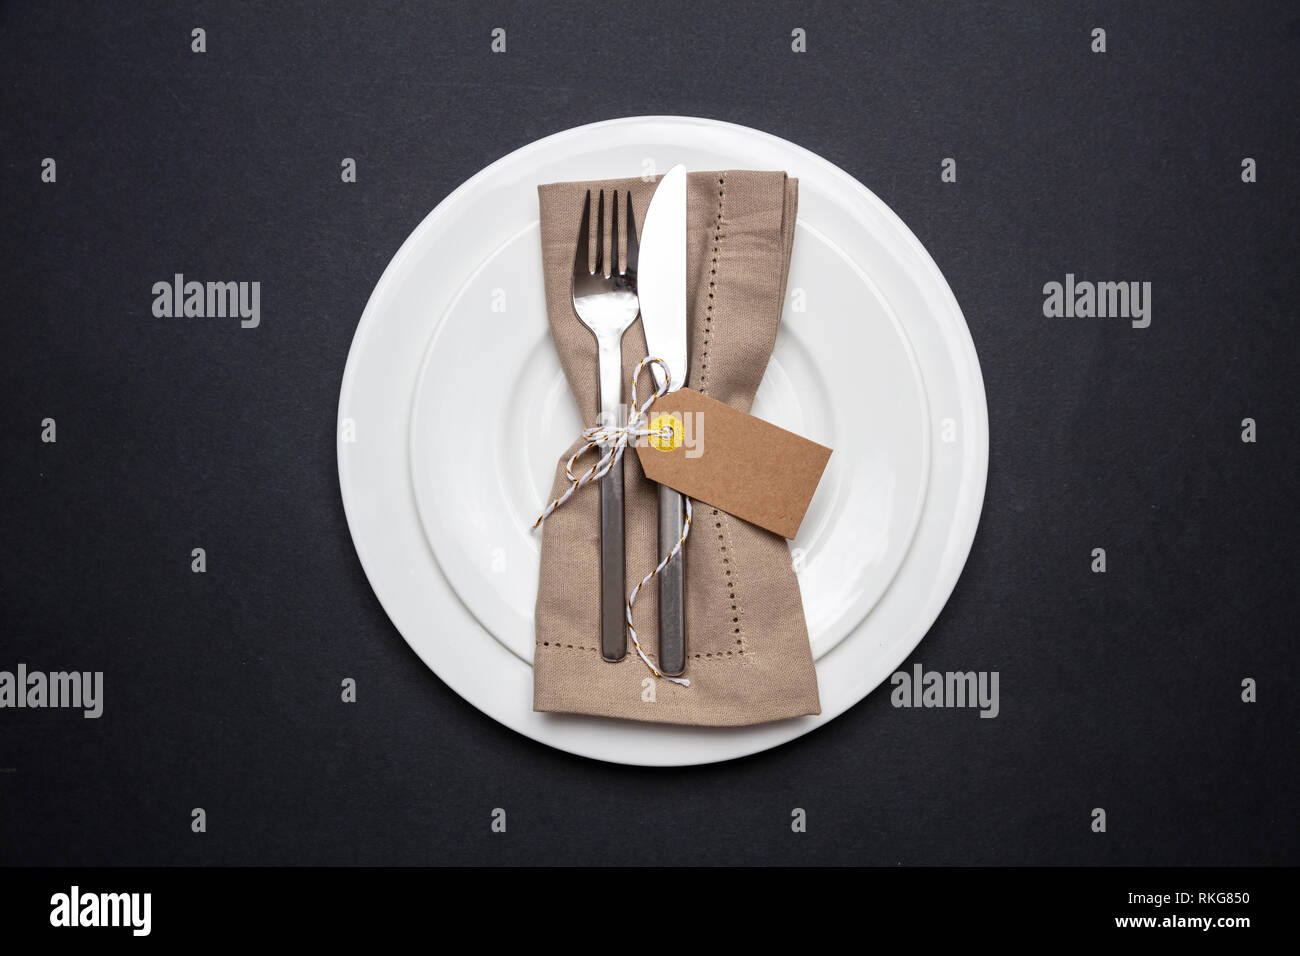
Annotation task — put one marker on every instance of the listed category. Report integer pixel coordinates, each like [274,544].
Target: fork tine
[600,234]
[613,238]
[633,248]
[582,258]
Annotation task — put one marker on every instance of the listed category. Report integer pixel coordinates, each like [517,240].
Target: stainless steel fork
[606,302]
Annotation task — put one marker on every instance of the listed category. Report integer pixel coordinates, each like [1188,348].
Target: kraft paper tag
[731,460]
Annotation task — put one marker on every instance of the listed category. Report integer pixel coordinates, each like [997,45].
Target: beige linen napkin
[748,657]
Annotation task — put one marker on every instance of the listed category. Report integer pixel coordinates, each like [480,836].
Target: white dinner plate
[454,410]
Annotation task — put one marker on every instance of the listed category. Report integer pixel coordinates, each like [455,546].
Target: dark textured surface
[1119,690]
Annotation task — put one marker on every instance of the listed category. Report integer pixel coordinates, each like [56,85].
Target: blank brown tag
[719,455]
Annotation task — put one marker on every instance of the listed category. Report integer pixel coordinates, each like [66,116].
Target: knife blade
[662,290]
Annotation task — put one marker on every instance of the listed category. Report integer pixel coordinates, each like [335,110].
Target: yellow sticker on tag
[666,432]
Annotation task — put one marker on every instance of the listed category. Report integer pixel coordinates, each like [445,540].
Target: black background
[1118,690]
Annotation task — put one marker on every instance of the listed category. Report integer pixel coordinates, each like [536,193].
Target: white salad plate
[454,411]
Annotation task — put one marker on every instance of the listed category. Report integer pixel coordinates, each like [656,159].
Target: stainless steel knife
[662,289]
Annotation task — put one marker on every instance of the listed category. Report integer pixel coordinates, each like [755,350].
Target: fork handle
[613,619]
[613,572]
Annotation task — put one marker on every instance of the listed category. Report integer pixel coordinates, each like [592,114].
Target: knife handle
[613,619]
[672,607]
